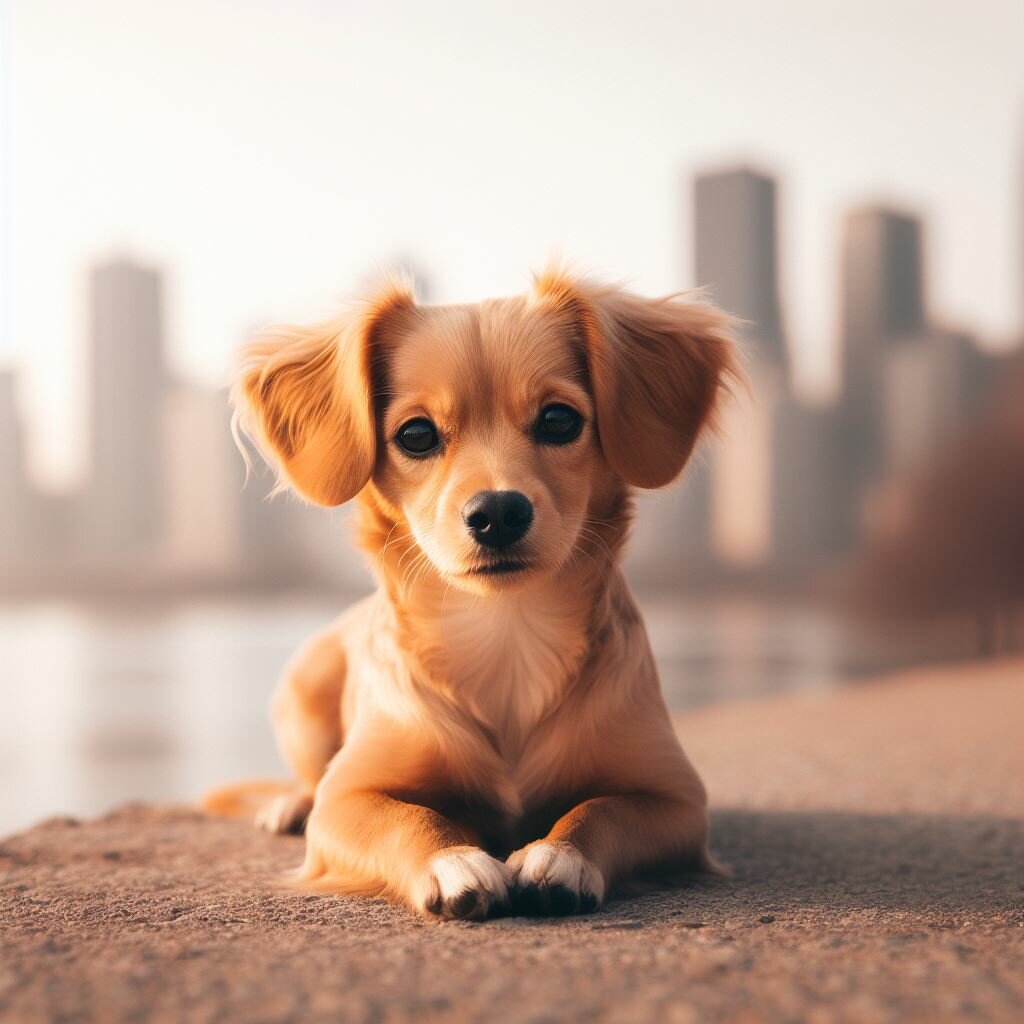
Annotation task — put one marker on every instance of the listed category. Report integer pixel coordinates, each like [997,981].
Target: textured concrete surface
[876,835]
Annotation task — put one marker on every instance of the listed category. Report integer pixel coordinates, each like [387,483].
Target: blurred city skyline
[265,163]
[785,495]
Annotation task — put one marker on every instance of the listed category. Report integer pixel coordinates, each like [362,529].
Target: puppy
[486,732]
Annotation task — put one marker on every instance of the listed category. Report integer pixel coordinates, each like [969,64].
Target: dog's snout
[497,519]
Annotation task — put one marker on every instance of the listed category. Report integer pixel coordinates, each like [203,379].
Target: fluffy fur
[462,742]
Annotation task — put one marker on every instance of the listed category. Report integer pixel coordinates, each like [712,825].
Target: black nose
[497,519]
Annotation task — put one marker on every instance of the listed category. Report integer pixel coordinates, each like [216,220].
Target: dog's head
[499,435]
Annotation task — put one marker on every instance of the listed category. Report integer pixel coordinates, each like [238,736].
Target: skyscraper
[736,258]
[932,387]
[681,531]
[200,531]
[736,253]
[15,543]
[126,413]
[808,522]
[669,543]
[882,295]
[882,301]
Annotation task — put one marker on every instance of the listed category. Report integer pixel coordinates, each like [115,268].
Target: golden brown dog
[487,730]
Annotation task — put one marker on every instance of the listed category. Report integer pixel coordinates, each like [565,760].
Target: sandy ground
[876,835]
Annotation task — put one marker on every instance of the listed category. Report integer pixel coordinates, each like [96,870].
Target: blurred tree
[951,538]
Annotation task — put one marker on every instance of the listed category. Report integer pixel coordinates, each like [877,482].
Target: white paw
[553,877]
[464,883]
[285,814]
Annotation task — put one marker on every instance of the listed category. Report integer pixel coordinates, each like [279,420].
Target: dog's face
[496,434]
[487,441]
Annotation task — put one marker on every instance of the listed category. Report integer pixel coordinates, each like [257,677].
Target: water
[106,704]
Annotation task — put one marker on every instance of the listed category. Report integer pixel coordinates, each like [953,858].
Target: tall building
[807,517]
[736,257]
[882,295]
[743,480]
[200,541]
[15,541]
[882,302]
[721,509]
[736,253]
[669,544]
[932,386]
[126,497]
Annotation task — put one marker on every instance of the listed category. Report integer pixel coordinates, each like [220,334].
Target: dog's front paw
[466,884]
[285,814]
[553,877]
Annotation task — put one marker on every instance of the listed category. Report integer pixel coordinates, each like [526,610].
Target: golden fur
[464,743]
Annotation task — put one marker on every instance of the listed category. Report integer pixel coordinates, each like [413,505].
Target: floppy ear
[657,370]
[305,395]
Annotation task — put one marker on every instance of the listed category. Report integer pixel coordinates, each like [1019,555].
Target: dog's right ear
[305,396]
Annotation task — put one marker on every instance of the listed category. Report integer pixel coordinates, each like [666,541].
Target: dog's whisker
[413,568]
[593,560]
[387,541]
[575,563]
[593,535]
[413,550]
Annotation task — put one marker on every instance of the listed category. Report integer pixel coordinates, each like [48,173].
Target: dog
[486,733]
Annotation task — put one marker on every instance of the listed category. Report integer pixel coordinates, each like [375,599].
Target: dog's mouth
[507,567]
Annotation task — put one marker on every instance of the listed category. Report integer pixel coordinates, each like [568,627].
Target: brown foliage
[954,538]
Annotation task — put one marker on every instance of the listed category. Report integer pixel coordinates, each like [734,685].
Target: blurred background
[849,179]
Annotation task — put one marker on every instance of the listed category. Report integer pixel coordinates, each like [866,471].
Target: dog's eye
[418,437]
[557,424]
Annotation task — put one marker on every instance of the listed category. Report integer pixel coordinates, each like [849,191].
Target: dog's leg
[371,842]
[286,813]
[306,709]
[603,840]
[277,806]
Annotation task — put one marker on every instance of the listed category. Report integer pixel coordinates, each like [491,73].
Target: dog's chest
[508,663]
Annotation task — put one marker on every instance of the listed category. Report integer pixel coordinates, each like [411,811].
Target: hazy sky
[269,154]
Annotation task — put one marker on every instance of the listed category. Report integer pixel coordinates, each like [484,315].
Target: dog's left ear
[658,369]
